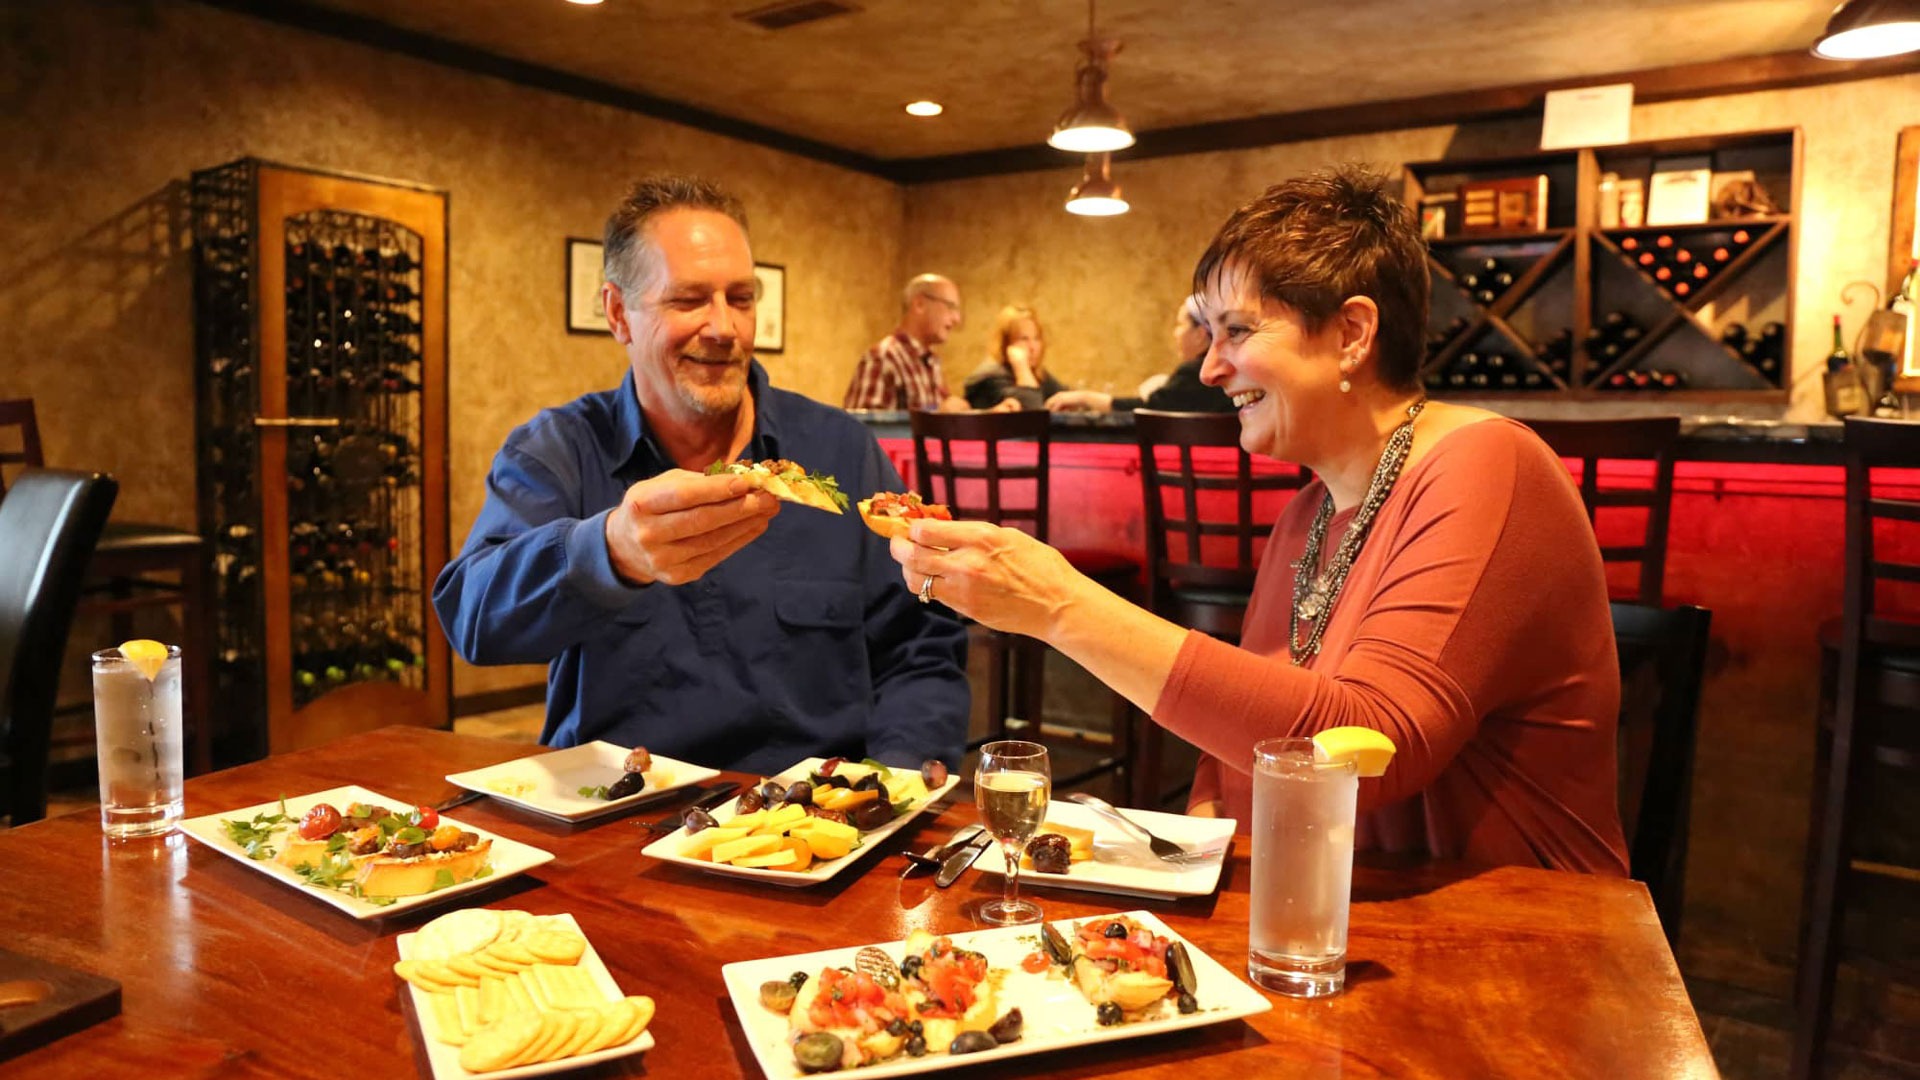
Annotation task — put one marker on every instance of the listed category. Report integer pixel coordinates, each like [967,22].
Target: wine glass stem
[1011,851]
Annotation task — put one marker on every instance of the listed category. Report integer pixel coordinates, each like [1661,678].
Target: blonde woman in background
[1016,376]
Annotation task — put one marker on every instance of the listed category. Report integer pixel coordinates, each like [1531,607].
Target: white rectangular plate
[555,780]
[1124,865]
[445,1058]
[1055,1015]
[668,847]
[508,857]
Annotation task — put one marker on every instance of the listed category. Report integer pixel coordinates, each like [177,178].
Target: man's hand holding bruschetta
[674,527]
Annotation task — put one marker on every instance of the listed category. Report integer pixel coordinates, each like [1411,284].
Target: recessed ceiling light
[584,3]
[924,108]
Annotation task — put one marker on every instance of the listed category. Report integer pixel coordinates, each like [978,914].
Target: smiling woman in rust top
[1452,594]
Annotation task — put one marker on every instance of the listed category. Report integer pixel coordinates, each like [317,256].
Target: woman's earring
[1346,369]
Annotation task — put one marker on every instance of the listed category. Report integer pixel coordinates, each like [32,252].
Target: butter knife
[938,853]
[961,858]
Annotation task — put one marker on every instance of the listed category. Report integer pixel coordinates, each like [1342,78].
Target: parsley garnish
[591,792]
[256,837]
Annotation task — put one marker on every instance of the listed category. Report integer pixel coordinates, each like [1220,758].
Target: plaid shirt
[897,373]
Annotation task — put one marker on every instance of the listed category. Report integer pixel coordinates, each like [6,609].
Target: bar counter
[1452,971]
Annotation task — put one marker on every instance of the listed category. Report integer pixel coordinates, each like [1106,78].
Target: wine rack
[320,315]
[1586,309]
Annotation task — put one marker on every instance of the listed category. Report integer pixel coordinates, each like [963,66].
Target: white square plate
[554,780]
[445,1057]
[1055,1014]
[668,847]
[1122,864]
[508,857]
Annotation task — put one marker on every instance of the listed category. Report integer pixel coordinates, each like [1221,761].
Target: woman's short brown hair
[1315,240]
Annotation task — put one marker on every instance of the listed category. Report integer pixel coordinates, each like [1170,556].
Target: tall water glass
[1303,814]
[137,731]
[1012,786]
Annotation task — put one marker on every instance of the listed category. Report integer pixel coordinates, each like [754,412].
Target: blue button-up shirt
[805,642]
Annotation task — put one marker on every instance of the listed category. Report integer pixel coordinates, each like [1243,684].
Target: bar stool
[1870,701]
[1201,587]
[1649,439]
[982,493]
[119,581]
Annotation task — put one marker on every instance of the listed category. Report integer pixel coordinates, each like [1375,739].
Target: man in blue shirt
[687,613]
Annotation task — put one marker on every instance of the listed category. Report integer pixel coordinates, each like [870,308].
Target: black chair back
[1209,596]
[21,449]
[49,523]
[992,431]
[1650,438]
[1663,655]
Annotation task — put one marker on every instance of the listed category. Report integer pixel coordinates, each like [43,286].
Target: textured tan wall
[109,105]
[1105,288]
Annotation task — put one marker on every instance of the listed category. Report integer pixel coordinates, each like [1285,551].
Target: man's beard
[719,394]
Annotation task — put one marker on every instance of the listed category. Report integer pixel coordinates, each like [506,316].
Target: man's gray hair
[624,262]
[922,285]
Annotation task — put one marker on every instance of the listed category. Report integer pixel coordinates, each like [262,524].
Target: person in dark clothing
[1016,376]
[1181,391]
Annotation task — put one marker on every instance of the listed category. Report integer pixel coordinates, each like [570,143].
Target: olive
[778,995]
[750,800]
[628,784]
[870,815]
[971,1042]
[819,1051]
[800,794]
[1057,947]
[638,761]
[696,819]
[832,763]
[911,967]
[1007,1028]
[870,782]
[772,792]
[1114,930]
[934,772]
[1181,968]
[828,815]
[838,781]
[897,1027]
[1051,853]
[1108,1013]
[1187,1004]
[798,979]
[916,1045]
[408,851]
[917,1027]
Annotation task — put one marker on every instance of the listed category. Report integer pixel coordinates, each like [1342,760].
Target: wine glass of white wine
[1012,786]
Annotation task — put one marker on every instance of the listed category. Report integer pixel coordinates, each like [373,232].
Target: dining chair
[1651,439]
[1663,657]
[1202,553]
[996,467]
[120,579]
[1870,708]
[49,523]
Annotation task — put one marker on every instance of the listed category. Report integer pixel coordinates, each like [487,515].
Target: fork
[1167,850]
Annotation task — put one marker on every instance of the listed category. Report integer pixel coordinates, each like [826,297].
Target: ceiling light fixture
[1096,195]
[1092,126]
[1869,29]
[924,108]
[584,3]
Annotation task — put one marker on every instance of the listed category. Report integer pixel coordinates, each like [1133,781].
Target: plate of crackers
[1107,859]
[507,993]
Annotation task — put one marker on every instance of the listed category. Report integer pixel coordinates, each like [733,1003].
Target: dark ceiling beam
[1775,71]
[365,31]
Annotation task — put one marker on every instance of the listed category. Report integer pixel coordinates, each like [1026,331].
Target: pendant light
[1092,126]
[1096,195]
[1869,29]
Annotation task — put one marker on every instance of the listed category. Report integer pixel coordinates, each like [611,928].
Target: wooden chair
[48,526]
[1649,438]
[987,492]
[1187,588]
[1872,683]
[120,581]
[1663,655]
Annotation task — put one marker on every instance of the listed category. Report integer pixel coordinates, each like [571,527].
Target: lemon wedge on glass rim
[1369,750]
[145,654]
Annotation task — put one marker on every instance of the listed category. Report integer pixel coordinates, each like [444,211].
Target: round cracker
[588,1023]
[492,1047]
[561,1025]
[456,933]
[556,946]
[615,1019]
[642,1016]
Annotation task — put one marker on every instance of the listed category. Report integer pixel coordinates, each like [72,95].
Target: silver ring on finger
[926,590]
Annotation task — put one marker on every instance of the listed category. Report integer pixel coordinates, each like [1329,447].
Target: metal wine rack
[321,384]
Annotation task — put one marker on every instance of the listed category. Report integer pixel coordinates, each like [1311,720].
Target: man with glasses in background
[901,371]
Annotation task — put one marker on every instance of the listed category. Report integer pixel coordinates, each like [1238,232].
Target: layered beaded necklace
[1315,590]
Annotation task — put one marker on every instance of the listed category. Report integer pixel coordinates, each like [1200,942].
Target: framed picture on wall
[586,310]
[770,312]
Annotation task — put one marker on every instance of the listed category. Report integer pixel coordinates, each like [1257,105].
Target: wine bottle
[1682,288]
[1663,241]
[1628,243]
[1839,359]
[1682,255]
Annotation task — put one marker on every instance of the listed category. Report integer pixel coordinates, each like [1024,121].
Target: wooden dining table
[1452,971]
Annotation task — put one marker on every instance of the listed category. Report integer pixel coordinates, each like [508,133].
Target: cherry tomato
[425,816]
[1034,962]
[319,823]
[445,837]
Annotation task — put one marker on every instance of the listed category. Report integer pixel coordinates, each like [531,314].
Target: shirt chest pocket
[818,605]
